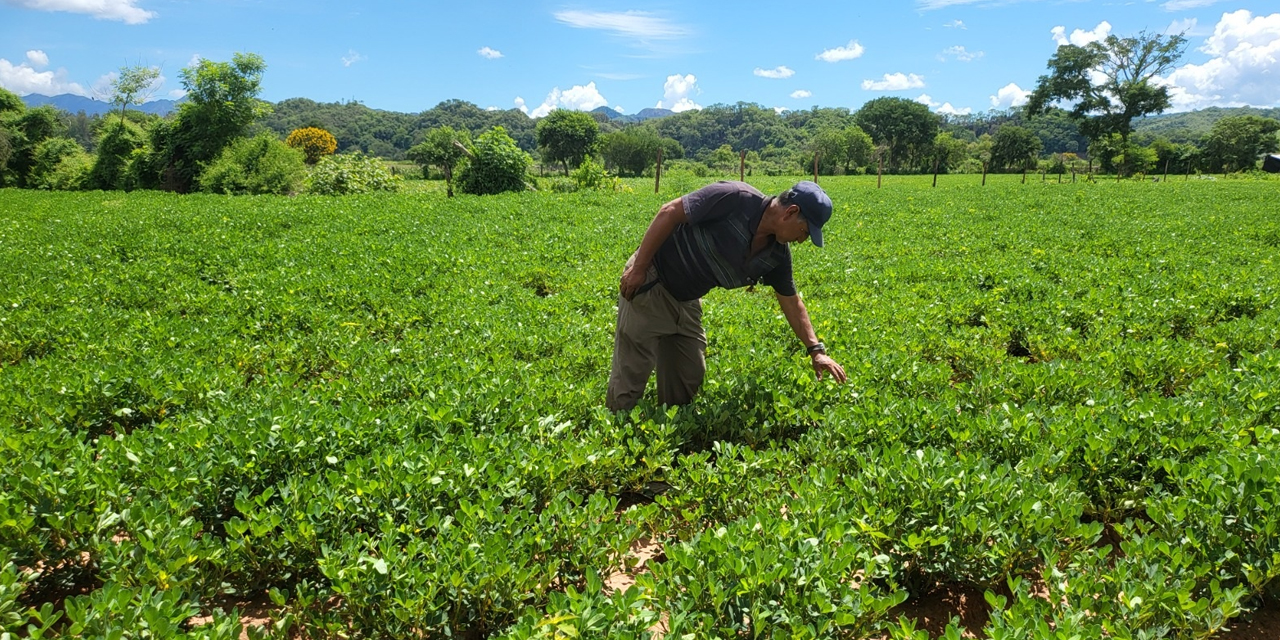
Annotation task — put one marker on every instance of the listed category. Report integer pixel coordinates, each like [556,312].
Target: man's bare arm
[797,316]
[670,216]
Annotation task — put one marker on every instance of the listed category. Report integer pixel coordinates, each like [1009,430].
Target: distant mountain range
[75,104]
[644,114]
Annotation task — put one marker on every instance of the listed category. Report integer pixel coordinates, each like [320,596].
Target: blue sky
[956,55]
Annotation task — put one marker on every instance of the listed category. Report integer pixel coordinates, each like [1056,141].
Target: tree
[115,149]
[495,165]
[26,130]
[632,151]
[567,137]
[258,165]
[1014,147]
[221,104]
[1109,83]
[949,152]
[134,85]
[904,127]
[1236,142]
[858,147]
[444,147]
[314,142]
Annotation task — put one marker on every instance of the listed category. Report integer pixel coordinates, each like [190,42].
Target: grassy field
[382,416]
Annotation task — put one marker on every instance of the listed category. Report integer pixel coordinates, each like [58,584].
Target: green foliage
[258,165]
[496,165]
[385,413]
[592,175]
[1127,67]
[350,173]
[133,85]
[634,150]
[221,103]
[116,146]
[1238,142]
[445,148]
[904,128]
[46,170]
[26,130]
[1014,148]
[567,137]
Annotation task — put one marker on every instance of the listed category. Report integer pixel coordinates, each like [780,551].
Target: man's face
[794,226]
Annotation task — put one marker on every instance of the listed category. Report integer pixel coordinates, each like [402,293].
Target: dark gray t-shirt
[711,249]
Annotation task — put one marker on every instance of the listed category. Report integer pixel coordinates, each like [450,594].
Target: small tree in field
[496,165]
[567,137]
[133,86]
[314,142]
[445,148]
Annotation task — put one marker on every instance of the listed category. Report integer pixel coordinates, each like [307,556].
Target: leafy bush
[115,149]
[496,165]
[349,174]
[46,158]
[314,142]
[256,165]
[592,175]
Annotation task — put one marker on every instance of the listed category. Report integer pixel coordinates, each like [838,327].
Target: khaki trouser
[656,329]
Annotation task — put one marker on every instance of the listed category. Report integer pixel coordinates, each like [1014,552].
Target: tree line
[1081,117]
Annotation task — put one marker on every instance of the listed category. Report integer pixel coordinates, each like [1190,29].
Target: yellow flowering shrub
[314,142]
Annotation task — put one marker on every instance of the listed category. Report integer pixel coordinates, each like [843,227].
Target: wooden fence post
[742,166]
[880,171]
[815,166]
[984,173]
[657,175]
[935,173]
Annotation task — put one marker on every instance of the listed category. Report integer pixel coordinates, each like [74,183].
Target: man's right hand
[632,279]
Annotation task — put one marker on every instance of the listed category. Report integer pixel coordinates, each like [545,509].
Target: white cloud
[122,10]
[1188,27]
[491,108]
[23,79]
[1242,70]
[37,58]
[1080,37]
[577,98]
[676,92]
[961,54]
[776,73]
[780,110]
[894,82]
[619,109]
[195,60]
[847,52]
[1010,95]
[352,57]
[1183,5]
[800,94]
[492,54]
[177,94]
[948,110]
[944,108]
[628,24]
[955,24]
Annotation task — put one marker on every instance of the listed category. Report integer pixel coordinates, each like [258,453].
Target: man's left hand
[822,363]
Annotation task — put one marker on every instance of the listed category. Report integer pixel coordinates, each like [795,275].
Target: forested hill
[1194,125]
[388,133]
[741,126]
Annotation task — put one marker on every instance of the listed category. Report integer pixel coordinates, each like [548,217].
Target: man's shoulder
[733,186]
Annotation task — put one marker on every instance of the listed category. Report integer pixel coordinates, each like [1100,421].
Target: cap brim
[815,234]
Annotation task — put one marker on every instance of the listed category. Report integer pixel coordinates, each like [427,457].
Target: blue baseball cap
[815,206]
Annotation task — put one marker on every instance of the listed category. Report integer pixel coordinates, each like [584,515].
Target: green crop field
[382,416]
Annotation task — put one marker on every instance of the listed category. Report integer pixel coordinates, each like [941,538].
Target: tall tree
[1109,83]
[567,137]
[904,127]
[222,101]
[134,85]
